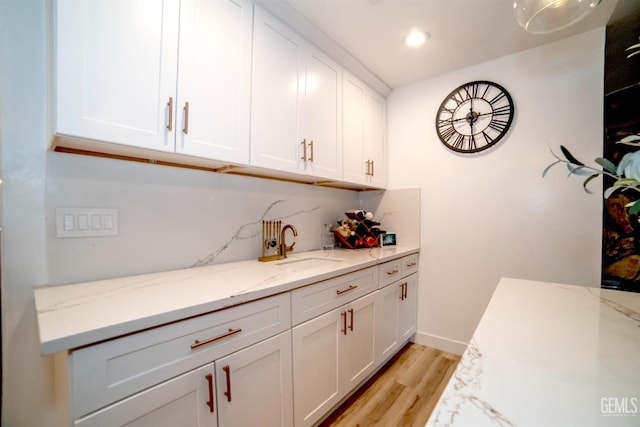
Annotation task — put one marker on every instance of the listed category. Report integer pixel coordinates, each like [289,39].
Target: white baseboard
[441,343]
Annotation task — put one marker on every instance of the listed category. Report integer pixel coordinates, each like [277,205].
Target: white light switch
[68,222]
[95,222]
[83,221]
[86,222]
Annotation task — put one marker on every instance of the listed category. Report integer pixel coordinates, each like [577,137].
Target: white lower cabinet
[258,377]
[254,386]
[407,313]
[396,317]
[285,360]
[332,354]
[180,402]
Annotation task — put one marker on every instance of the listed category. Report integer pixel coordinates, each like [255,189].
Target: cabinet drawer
[390,272]
[319,298]
[409,265]
[107,372]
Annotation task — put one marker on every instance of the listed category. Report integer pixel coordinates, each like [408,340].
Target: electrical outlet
[86,222]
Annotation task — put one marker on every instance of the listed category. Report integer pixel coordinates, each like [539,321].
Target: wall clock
[474,116]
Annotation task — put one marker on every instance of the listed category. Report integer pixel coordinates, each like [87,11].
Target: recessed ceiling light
[416,38]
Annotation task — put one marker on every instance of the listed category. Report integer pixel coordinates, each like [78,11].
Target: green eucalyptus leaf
[578,170]
[587,181]
[544,173]
[607,165]
[570,157]
[609,191]
[626,182]
[634,207]
[630,140]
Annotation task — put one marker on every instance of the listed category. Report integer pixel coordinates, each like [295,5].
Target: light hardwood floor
[403,393]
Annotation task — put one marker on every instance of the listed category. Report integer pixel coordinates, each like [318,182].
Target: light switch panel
[86,222]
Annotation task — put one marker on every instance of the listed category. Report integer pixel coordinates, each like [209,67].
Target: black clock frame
[494,97]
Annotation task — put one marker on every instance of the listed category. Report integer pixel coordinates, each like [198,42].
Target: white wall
[173,218]
[491,215]
[27,388]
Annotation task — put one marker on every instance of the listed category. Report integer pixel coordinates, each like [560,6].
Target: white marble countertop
[71,316]
[548,354]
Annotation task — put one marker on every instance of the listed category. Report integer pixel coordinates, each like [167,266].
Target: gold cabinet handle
[311,147]
[351,321]
[230,332]
[185,129]
[227,372]
[411,264]
[170,108]
[304,150]
[344,322]
[403,291]
[392,272]
[350,288]
[372,170]
[209,378]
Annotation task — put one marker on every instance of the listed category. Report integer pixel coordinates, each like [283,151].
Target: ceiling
[462,33]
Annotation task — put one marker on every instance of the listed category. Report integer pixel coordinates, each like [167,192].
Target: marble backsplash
[172,218]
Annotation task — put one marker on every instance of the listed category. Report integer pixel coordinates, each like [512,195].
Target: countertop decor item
[474,116]
[359,230]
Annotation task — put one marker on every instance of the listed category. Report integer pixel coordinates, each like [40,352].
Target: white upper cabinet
[296,96]
[214,79]
[116,70]
[119,77]
[364,133]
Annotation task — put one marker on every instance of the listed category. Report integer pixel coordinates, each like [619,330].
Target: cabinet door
[387,320]
[353,110]
[375,139]
[364,130]
[115,70]
[255,385]
[408,309]
[359,352]
[214,79]
[185,401]
[278,77]
[322,116]
[316,350]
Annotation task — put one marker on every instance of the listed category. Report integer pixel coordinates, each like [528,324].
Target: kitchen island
[548,354]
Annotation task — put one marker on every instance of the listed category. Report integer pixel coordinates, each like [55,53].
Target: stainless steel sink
[306,263]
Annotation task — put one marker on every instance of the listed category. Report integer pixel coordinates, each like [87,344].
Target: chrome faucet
[283,243]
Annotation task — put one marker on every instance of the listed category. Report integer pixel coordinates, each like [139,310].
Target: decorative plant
[626,174]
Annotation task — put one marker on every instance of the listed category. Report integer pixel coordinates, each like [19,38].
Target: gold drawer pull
[411,264]
[216,338]
[392,272]
[350,288]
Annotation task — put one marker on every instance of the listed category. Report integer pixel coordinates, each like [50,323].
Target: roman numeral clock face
[474,117]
